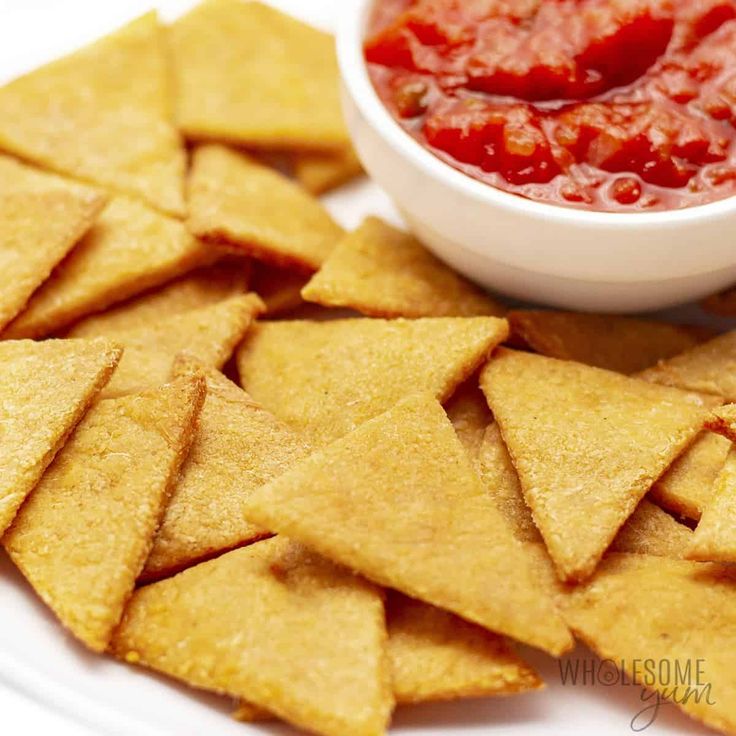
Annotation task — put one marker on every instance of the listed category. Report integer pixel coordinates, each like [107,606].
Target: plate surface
[103,697]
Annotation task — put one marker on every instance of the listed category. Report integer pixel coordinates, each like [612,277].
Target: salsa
[614,105]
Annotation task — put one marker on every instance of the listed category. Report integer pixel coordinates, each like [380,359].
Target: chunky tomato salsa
[618,105]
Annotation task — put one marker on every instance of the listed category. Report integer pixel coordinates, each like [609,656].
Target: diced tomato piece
[499,138]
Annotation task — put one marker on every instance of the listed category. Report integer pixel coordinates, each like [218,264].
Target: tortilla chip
[46,389]
[468,411]
[723,421]
[281,613]
[622,344]
[324,379]
[209,334]
[649,530]
[722,303]
[130,249]
[41,219]
[248,74]
[398,501]
[715,535]
[201,288]
[238,447]
[587,445]
[280,288]
[640,609]
[236,200]
[709,368]
[435,655]
[102,115]
[384,272]
[687,486]
[82,537]
[319,173]
[501,482]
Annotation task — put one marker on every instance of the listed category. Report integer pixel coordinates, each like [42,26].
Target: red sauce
[618,105]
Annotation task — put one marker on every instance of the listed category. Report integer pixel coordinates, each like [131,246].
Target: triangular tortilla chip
[468,411]
[435,655]
[84,534]
[501,482]
[238,447]
[687,486]
[236,200]
[319,173]
[102,115]
[649,530]
[281,86]
[384,272]
[678,615]
[652,531]
[324,379]
[715,535]
[709,368]
[398,501]
[280,288]
[201,288]
[46,389]
[209,334]
[41,219]
[723,421]
[622,344]
[276,625]
[130,249]
[587,445]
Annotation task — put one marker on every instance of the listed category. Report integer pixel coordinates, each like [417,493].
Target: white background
[49,685]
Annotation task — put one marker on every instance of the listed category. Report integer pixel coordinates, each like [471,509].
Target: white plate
[103,697]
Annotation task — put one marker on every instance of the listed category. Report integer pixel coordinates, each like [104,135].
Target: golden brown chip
[238,201]
[679,616]
[46,390]
[130,249]
[399,501]
[209,334]
[276,625]
[709,368]
[324,379]
[501,482]
[248,74]
[622,344]
[435,655]
[687,486]
[649,530]
[201,288]
[715,536]
[238,447]
[468,411]
[652,531]
[102,115]
[587,445]
[82,537]
[280,288]
[41,219]
[723,421]
[319,173]
[384,272]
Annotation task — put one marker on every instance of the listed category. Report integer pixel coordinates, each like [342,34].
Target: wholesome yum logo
[676,680]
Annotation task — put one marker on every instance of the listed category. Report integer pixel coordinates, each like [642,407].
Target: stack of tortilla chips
[367,504]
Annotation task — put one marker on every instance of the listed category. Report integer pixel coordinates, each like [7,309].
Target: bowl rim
[354,71]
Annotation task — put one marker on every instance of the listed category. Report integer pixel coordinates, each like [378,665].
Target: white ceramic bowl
[577,259]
